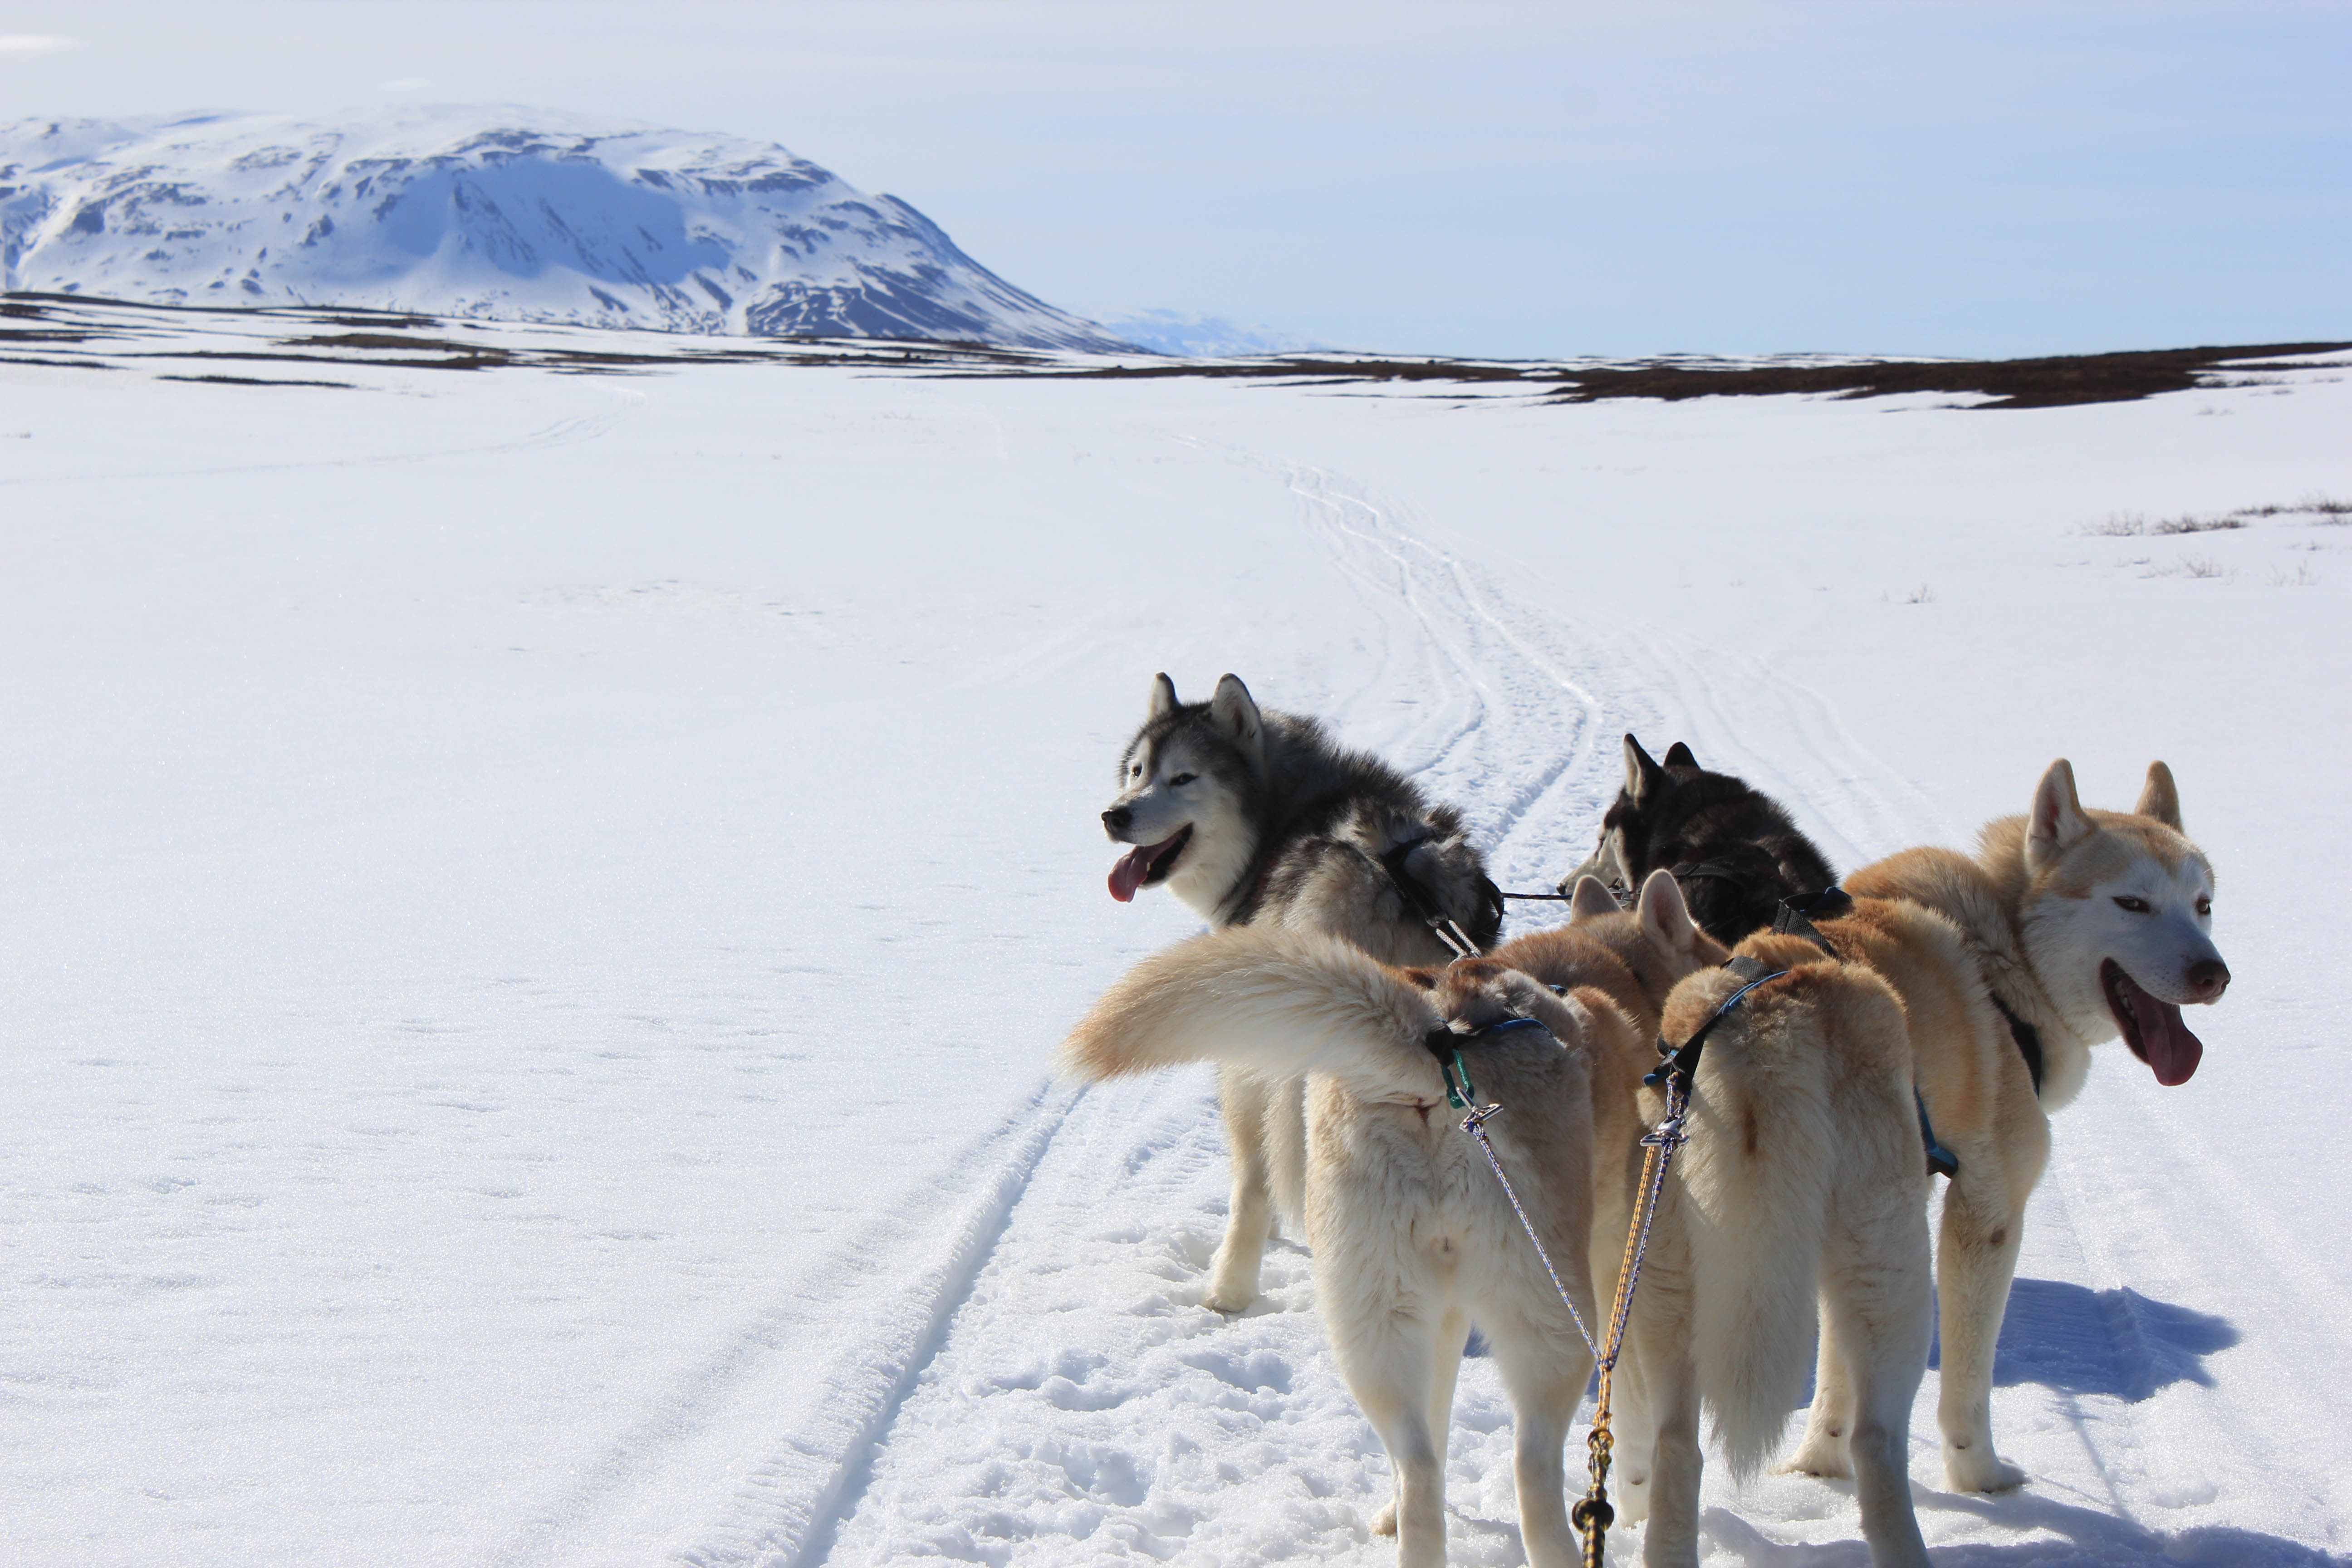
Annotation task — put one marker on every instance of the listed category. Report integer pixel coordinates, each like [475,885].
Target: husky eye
[2204,906]
[2136,906]
[1135,769]
[1180,780]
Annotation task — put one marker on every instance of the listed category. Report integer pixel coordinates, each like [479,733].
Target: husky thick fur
[1677,812]
[1257,818]
[1413,1240]
[1803,1174]
[1803,1182]
[2083,925]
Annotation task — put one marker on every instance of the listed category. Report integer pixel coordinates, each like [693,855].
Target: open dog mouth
[1148,863]
[2151,1028]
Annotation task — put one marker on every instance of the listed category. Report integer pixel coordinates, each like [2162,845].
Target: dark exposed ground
[2015,383]
[107,333]
[2045,382]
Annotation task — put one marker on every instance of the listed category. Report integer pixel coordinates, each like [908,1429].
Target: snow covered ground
[535,906]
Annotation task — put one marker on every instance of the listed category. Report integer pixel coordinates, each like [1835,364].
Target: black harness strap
[1721,871]
[2028,1039]
[1681,1062]
[1796,915]
[1428,911]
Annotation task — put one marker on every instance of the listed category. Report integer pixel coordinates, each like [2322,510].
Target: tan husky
[2067,928]
[1804,1180]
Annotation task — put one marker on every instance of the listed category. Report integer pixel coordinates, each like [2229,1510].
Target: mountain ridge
[496,212]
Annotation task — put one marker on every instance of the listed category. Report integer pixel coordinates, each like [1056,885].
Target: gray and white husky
[1257,818]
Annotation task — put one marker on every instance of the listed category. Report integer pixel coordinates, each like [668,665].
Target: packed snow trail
[536,934]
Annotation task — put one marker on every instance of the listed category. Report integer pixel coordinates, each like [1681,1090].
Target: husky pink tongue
[1129,874]
[2164,1039]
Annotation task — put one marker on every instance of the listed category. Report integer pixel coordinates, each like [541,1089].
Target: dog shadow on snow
[2116,1342]
[2082,1535]
[2077,1341]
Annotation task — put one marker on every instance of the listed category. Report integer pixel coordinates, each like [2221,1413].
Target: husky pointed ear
[1589,899]
[1665,918]
[1164,697]
[2057,824]
[1641,774]
[2161,798]
[1678,755]
[1235,713]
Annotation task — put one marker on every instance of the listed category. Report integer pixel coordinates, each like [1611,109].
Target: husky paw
[1820,1454]
[1384,1521]
[1229,1300]
[1232,1285]
[1975,1469]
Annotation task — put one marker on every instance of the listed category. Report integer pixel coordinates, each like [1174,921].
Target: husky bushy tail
[1277,1004]
[1413,1240]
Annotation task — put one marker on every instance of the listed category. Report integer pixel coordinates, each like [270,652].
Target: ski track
[823,1404]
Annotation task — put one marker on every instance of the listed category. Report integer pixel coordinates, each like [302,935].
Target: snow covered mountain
[493,213]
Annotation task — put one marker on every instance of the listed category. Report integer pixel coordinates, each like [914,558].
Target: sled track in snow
[827,1395]
[790,1504]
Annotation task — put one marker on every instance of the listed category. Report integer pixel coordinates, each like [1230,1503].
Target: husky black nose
[1117,818]
[2208,978]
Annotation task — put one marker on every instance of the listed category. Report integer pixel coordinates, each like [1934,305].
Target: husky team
[1925,1015]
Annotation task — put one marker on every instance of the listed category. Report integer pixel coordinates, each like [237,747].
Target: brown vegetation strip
[2015,383]
[2046,383]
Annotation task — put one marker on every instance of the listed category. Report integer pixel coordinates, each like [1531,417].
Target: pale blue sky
[1980,178]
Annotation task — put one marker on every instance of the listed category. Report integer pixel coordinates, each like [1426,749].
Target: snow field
[536,906]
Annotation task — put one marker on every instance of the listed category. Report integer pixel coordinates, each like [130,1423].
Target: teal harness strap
[1445,1045]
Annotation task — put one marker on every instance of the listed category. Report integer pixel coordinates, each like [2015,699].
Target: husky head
[1746,853]
[1624,831]
[2116,911]
[1656,939]
[1188,787]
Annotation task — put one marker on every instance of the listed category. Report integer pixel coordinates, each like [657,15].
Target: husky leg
[1545,1373]
[1391,1361]
[1823,1450]
[1671,1540]
[1875,1302]
[1976,1257]
[1455,1330]
[1243,1102]
[1633,1438]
